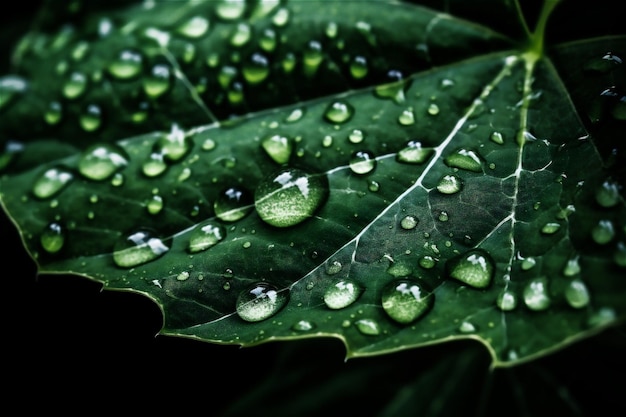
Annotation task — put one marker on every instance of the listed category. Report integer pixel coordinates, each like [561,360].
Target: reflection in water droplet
[101,161]
[577,294]
[409,222]
[138,248]
[290,196]
[52,238]
[52,182]
[260,301]
[205,235]
[603,232]
[414,153]
[464,159]
[127,64]
[367,327]
[536,295]
[233,204]
[406,300]
[474,268]
[507,300]
[278,147]
[450,184]
[339,111]
[341,294]
[362,162]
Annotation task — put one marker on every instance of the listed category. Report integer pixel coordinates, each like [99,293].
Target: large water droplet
[52,182]
[230,9]
[368,327]
[603,232]
[394,90]
[608,195]
[362,162]
[155,204]
[158,81]
[339,111]
[577,294]
[406,300]
[138,248]
[342,293]
[536,294]
[233,204]
[52,238]
[91,118]
[206,235]
[312,57]
[278,147]
[474,268]
[267,40]
[358,67]
[128,64]
[414,153]
[154,165]
[53,113]
[194,27]
[260,301]
[75,86]
[450,184]
[290,196]
[464,159]
[101,161]
[175,145]
[407,117]
[507,300]
[256,69]
[241,35]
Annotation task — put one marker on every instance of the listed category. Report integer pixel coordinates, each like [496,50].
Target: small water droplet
[466,327]
[577,294]
[395,89]
[53,113]
[497,137]
[332,29]
[528,263]
[550,228]
[278,147]
[406,300]
[155,204]
[173,146]
[358,67]
[474,268]
[464,159]
[327,141]
[260,301]
[608,194]
[127,64]
[362,162]
[433,109]
[507,300]
[205,235]
[339,111]
[342,293]
[333,268]
[619,256]
[75,86]
[281,17]
[572,267]
[51,182]
[294,116]
[154,165]
[194,27]
[303,326]
[138,248]
[101,161]
[208,144]
[450,184]
[158,81]
[267,40]
[241,35]
[230,9]
[407,117]
[414,153]
[427,262]
[290,196]
[91,118]
[233,204]
[443,216]
[373,186]
[409,222]
[52,238]
[367,327]
[536,295]
[603,232]
[256,69]
[356,136]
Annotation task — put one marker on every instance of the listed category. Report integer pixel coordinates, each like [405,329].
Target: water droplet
[195,27]
[414,153]
[230,9]
[154,165]
[53,113]
[312,57]
[52,182]
[367,327]
[409,222]
[603,232]
[474,268]
[550,228]
[158,81]
[208,144]
[233,204]
[577,294]
[206,235]
[256,69]
[406,300]
[608,195]
[281,17]
[327,141]
[173,146]
[399,269]
[294,116]
[407,117]
[619,256]
[536,296]
[278,147]
[75,86]
[572,267]
[226,75]
[427,262]
[260,301]
[433,109]
[497,137]
[466,327]
[101,161]
[333,268]
[290,196]
[528,263]
[339,111]
[52,238]
[394,90]
[155,204]
[356,136]
[443,216]
[138,248]
[464,159]
[373,186]
[507,300]
[128,64]
[91,118]
[303,326]
[358,67]
[342,293]
[267,40]
[604,64]
[241,35]
[10,87]
[362,162]
[450,184]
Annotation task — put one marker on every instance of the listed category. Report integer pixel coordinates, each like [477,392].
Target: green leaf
[380,172]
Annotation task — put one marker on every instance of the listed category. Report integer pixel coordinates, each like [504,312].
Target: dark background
[71,349]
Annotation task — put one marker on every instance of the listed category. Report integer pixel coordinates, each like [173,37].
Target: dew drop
[466,327]
[409,222]
[333,268]
[603,232]
[303,326]
[138,248]
[155,204]
[464,159]
[497,137]
[341,294]
[312,57]
[339,111]
[399,269]
[394,90]
[281,17]
[406,300]
[52,238]
[53,113]
[373,186]
[195,27]
[205,235]
[173,146]
[256,69]
[443,216]
[608,195]
[290,196]
[358,67]
[101,161]
[362,162]
[158,81]
[536,295]
[356,136]
[128,64]
[433,109]
[230,9]
[474,268]
[450,184]
[267,40]
[327,141]
[427,262]
[572,267]
[506,300]
[332,29]
[577,294]
[91,118]
[208,144]
[241,35]
[619,256]
[278,147]
[414,153]
[528,263]
[75,86]
[52,182]
[233,204]
[260,301]
[367,327]
[550,228]
[407,117]
[294,116]
[154,165]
